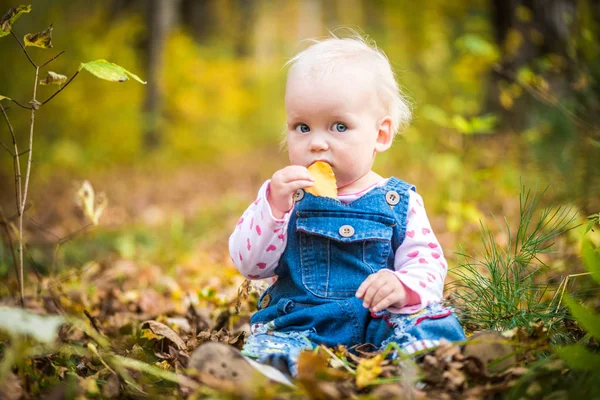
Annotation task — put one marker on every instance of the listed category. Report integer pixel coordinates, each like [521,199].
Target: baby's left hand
[381,290]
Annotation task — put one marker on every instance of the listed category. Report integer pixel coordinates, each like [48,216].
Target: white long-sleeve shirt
[259,240]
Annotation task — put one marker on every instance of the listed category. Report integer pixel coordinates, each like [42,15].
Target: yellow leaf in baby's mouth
[325,184]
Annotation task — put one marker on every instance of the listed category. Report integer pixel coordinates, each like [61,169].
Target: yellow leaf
[325,184]
[164,365]
[41,39]
[148,334]
[4,97]
[368,370]
[10,17]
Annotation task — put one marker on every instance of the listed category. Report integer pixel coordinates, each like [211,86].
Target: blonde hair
[323,56]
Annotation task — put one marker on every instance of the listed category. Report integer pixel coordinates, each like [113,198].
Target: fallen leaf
[368,370]
[488,347]
[163,330]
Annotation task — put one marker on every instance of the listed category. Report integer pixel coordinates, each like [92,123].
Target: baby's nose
[318,143]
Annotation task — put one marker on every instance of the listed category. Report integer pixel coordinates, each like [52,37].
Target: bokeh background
[505,96]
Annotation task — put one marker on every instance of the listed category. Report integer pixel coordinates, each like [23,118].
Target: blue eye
[302,128]
[339,127]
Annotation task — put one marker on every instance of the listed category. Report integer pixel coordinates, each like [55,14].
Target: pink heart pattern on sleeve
[259,239]
[419,262]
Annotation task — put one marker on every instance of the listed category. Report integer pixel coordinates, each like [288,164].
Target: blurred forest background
[505,93]
[506,97]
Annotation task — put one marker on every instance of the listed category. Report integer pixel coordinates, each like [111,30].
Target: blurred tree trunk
[525,31]
[244,34]
[160,16]
[197,15]
[568,31]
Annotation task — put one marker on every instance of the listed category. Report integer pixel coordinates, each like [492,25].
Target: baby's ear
[385,136]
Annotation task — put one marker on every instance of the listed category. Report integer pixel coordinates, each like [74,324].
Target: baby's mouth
[325,161]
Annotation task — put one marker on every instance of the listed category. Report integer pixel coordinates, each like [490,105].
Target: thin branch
[16,215]
[23,48]
[52,59]
[23,199]
[23,153]
[61,89]
[39,227]
[20,105]
[29,159]
[92,320]
[16,164]
[11,245]
[6,148]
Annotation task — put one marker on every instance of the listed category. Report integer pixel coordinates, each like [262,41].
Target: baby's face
[333,118]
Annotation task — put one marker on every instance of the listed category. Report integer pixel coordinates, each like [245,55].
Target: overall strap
[397,194]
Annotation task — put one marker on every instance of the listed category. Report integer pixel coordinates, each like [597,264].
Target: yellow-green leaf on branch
[4,97]
[53,79]
[10,17]
[109,71]
[41,39]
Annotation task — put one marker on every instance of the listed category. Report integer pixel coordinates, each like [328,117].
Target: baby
[365,267]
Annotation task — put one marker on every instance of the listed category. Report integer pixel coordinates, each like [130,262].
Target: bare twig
[62,88]
[17,169]
[92,320]
[11,245]
[30,147]
[23,48]
[6,148]
[20,105]
[61,241]
[26,187]
[16,215]
[52,59]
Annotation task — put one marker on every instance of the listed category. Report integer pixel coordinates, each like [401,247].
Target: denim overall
[331,249]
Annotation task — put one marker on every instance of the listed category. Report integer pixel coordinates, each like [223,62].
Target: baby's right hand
[284,183]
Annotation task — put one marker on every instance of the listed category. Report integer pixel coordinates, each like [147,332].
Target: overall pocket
[339,250]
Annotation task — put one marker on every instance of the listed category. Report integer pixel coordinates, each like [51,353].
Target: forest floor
[139,293]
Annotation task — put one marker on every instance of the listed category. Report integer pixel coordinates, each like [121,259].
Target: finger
[383,292]
[371,291]
[296,172]
[360,292]
[292,187]
[387,301]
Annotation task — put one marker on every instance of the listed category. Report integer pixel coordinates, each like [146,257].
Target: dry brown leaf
[163,330]
[454,378]
[325,184]
[490,346]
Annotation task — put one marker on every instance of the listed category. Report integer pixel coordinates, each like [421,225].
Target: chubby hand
[284,183]
[382,290]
